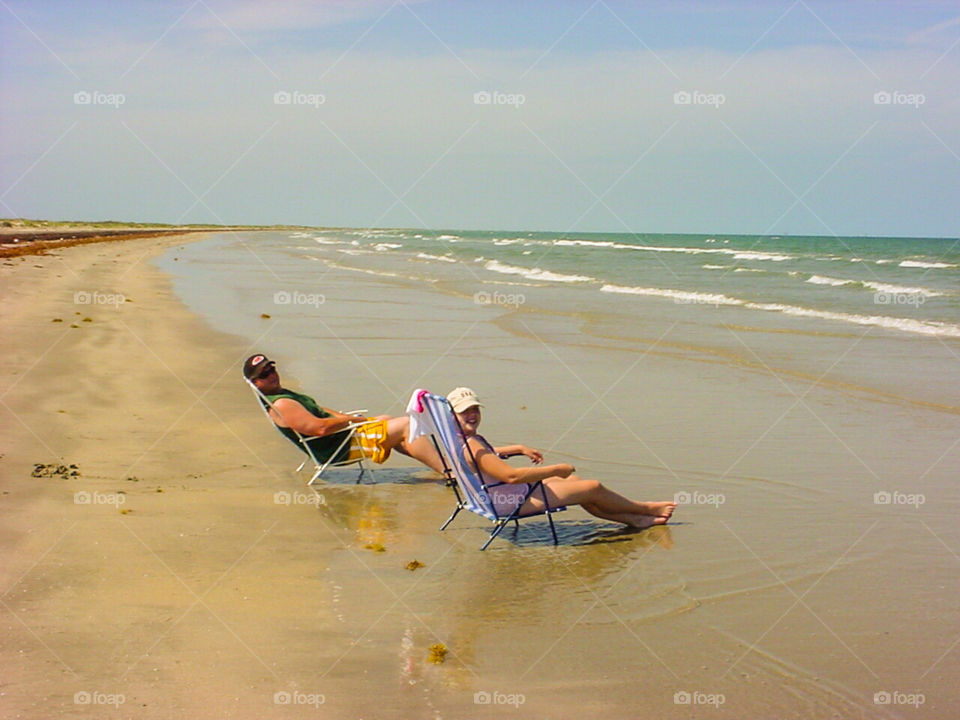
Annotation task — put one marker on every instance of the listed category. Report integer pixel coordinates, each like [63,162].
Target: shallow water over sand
[812,563]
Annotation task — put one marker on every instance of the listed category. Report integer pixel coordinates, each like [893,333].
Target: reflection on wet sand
[478,603]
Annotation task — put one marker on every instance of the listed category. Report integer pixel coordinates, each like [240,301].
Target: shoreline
[185,585]
[20,240]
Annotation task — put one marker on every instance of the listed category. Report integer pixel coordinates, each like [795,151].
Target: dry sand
[126,595]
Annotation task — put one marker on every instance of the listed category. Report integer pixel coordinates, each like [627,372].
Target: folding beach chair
[432,415]
[303,442]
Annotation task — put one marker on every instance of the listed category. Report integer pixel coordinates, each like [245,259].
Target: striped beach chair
[432,415]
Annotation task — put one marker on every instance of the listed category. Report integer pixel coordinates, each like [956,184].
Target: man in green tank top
[292,411]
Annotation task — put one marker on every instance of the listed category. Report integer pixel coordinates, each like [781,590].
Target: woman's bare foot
[645,521]
[659,509]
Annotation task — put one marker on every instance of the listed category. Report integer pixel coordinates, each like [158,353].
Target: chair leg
[553,530]
[450,519]
[493,535]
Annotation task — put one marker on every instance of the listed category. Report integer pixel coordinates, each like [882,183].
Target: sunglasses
[266,372]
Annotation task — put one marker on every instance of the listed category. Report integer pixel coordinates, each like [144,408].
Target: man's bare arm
[287,412]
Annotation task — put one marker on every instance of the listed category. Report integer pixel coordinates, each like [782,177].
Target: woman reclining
[511,486]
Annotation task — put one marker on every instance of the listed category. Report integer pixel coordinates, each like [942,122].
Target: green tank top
[323,448]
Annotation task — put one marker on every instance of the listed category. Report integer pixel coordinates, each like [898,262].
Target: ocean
[906,285]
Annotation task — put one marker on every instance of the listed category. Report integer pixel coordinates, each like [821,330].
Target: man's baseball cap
[256,366]
[462,398]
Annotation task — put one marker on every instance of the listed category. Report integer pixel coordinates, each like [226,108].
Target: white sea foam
[820,280]
[715,267]
[448,237]
[591,243]
[751,255]
[321,240]
[753,270]
[365,271]
[441,258]
[383,247]
[534,273]
[901,290]
[384,273]
[919,264]
[923,327]
[680,296]
[737,254]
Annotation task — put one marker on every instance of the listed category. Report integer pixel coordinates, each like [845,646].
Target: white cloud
[243,16]
[935,33]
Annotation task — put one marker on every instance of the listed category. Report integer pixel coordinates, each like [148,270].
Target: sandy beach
[185,571]
[119,596]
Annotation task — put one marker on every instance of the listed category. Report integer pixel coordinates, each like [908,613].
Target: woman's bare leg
[600,502]
[633,520]
[604,499]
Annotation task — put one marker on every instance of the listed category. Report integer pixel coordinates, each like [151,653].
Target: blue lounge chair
[432,415]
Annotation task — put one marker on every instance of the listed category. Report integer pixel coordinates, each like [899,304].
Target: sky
[807,118]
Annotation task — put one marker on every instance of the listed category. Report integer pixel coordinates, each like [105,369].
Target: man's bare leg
[421,449]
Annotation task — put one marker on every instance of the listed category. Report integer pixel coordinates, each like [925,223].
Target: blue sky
[720,117]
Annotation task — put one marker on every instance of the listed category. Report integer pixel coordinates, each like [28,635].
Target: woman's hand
[536,457]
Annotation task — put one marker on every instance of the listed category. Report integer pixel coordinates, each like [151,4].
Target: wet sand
[796,595]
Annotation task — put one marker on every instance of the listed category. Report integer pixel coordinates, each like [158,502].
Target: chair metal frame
[303,441]
[476,500]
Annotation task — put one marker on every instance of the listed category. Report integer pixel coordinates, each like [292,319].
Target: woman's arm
[536,457]
[496,469]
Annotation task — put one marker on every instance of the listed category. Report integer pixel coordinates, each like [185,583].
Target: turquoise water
[905,285]
[770,370]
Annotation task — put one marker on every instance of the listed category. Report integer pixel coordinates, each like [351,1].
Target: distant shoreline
[34,237]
